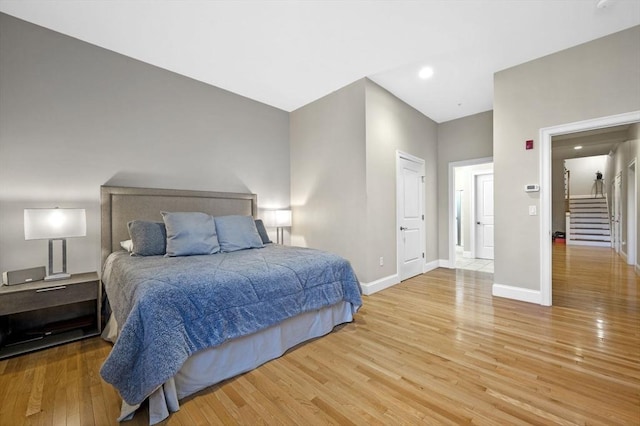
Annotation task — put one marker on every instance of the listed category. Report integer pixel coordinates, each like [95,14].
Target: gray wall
[596,79]
[343,189]
[583,174]
[466,138]
[624,154]
[328,174]
[74,116]
[393,125]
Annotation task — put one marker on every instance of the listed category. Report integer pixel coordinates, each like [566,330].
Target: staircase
[589,223]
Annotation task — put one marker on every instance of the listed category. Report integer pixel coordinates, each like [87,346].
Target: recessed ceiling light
[577,147]
[425,73]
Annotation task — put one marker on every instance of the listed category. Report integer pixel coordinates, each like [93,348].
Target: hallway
[594,278]
[472,264]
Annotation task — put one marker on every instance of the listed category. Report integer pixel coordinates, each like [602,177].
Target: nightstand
[47,313]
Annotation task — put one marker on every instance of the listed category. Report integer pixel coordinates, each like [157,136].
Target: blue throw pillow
[190,233]
[147,238]
[237,233]
[262,232]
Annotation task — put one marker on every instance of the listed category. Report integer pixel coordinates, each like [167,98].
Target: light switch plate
[533,211]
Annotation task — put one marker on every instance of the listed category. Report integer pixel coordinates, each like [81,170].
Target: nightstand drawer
[53,295]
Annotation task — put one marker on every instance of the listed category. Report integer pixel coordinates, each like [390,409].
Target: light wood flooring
[435,349]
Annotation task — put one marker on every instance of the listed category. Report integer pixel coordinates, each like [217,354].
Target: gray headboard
[119,205]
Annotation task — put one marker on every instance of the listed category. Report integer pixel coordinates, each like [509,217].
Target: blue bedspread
[169,308]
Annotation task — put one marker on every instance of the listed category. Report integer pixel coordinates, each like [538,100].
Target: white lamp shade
[44,224]
[283,218]
[277,218]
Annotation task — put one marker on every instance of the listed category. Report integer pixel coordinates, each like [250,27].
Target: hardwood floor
[435,349]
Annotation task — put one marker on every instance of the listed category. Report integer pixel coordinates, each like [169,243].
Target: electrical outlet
[381,261]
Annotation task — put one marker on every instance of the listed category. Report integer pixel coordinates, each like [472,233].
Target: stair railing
[567,190]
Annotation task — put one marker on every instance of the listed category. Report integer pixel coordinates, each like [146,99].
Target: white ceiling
[289,53]
[593,142]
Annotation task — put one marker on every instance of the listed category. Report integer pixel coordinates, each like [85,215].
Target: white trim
[632,213]
[430,266]
[445,263]
[386,282]
[581,197]
[516,293]
[473,231]
[588,243]
[473,215]
[546,134]
[379,285]
[423,241]
[452,202]
[616,204]
[467,255]
[624,257]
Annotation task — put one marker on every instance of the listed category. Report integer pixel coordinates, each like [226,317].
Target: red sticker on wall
[529,144]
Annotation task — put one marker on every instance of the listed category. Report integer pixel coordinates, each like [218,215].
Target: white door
[410,217]
[484,216]
[616,204]
[458,228]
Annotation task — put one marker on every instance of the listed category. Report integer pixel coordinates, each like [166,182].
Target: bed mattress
[168,309]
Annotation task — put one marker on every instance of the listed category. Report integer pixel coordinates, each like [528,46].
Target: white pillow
[127,245]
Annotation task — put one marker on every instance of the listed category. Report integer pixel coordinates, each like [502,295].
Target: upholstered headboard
[122,204]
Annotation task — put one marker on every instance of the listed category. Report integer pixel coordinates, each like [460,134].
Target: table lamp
[282,220]
[55,224]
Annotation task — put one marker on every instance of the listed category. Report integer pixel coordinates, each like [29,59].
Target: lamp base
[58,276]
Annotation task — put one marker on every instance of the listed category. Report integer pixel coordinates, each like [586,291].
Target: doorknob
[402,228]
[478,223]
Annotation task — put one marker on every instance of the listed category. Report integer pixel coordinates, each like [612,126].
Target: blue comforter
[169,308]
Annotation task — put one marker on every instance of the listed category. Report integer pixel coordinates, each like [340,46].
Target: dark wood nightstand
[42,314]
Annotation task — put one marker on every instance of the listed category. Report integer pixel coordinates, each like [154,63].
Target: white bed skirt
[210,366]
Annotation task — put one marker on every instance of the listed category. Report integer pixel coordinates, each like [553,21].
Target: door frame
[616,210]
[546,134]
[423,239]
[474,220]
[451,264]
[457,211]
[632,213]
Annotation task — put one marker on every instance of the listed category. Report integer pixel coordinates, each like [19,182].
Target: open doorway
[471,215]
[546,137]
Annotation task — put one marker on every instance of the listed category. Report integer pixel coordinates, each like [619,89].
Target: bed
[181,323]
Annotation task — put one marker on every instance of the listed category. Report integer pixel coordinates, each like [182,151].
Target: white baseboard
[467,255]
[430,266]
[517,293]
[386,282]
[446,263]
[379,285]
[588,243]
